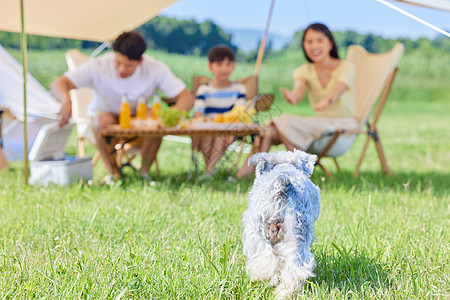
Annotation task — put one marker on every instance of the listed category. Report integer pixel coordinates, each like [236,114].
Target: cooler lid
[50,142]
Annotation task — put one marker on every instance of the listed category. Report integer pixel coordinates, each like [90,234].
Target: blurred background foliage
[188,37]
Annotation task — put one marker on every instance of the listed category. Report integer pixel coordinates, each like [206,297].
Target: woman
[329,81]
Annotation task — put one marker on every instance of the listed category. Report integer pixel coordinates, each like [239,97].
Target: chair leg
[194,163]
[96,158]
[337,165]
[382,157]
[325,151]
[81,151]
[363,153]
[327,173]
[3,161]
[239,154]
[256,144]
[119,155]
[380,151]
[129,158]
[329,145]
[157,167]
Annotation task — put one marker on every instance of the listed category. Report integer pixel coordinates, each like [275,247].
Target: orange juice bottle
[141,110]
[124,113]
[156,107]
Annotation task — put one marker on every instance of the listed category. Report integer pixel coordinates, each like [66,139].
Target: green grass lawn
[377,237]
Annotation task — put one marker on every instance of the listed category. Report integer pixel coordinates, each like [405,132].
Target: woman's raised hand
[289,95]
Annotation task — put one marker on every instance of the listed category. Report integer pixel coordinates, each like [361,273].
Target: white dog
[279,221]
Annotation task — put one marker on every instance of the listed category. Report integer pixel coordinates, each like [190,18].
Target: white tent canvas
[99,20]
[41,106]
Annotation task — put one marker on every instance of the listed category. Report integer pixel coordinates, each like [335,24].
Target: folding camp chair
[375,74]
[255,100]
[80,100]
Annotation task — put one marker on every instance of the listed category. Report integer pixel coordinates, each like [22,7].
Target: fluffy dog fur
[279,221]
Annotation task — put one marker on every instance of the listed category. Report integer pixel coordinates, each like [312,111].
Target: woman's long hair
[323,29]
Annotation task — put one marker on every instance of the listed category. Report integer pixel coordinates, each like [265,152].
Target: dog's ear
[305,162]
[261,160]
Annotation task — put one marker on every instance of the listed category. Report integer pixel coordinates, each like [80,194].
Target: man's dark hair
[131,44]
[220,52]
[323,29]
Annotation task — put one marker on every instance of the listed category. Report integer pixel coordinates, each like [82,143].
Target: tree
[184,36]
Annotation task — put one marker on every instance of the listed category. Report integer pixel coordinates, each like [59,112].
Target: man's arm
[184,100]
[60,89]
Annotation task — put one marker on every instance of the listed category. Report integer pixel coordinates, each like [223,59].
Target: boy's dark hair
[323,29]
[220,52]
[131,44]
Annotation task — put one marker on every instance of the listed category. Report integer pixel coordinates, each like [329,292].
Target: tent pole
[262,45]
[414,17]
[23,47]
[100,48]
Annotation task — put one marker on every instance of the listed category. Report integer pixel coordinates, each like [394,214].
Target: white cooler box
[48,163]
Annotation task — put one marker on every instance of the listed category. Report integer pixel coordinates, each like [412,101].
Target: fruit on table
[171,116]
[230,118]
[219,118]
[239,114]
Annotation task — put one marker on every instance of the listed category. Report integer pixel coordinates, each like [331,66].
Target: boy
[215,97]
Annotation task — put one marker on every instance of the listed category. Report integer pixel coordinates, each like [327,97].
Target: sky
[289,16]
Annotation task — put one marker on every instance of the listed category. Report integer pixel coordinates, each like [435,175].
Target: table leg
[256,144]
[112,153]
[3,161]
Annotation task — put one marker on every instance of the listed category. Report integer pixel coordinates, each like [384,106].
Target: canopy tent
[98,20]
[102,20]
[435,4]
[41,106]
[40,102]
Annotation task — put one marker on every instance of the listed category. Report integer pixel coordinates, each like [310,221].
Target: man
[126,71]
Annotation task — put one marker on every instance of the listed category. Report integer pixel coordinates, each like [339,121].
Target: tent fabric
[99,20]
[41,106]
[39,102]
[435,4]
[409,15]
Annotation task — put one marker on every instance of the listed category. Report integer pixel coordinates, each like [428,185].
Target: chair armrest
[262,102]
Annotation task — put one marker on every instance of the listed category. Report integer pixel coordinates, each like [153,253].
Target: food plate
[144,123]
[203,125]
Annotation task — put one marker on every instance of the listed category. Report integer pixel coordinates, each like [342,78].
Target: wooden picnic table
[190,129]
[114,135]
